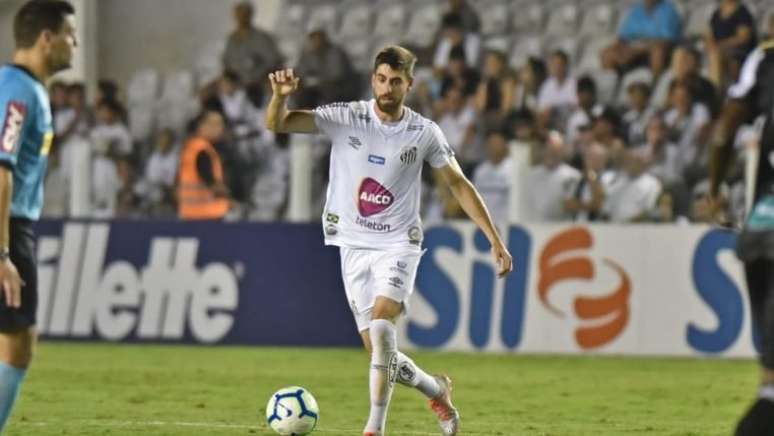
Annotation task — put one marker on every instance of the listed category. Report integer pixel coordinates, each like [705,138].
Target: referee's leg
[759,419]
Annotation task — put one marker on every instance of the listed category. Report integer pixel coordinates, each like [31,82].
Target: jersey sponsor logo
[378,160]
[372,225]
[373,198]
[364,117]
[82,295]
[409,155]
[12,126]
[354,142]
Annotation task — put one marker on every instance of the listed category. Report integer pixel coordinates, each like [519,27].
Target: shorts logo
[373,198]
[12,127]
[402,265]
[409,156]
[374,159]
[395,282]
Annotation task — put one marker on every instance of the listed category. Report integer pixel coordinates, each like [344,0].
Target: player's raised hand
[11,283]
[502,259]
[283,82]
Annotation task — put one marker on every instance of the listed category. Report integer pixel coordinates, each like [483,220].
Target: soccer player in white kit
[372,214]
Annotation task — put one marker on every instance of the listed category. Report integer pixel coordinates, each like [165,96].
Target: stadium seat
[598,19]
[525,47]
[424,25]
[178,86]
[290,48]
[208,63]
[360,52]
[291,20]
[141,120]
[589,59]
[567,44]
[563,19]
[143,86]
[528,17]
[324,16]
[356,22]
[498,43]
[390,20]
[494,18]
[765,18]
[698,21]
[606,81]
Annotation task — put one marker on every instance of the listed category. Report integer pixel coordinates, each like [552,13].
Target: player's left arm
[471,202]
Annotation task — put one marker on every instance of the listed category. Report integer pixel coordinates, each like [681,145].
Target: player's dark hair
[587,84]
[37,16]
[452,20]
[561,54]
[398,58]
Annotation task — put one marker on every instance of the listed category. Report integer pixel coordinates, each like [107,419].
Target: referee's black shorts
[22,251]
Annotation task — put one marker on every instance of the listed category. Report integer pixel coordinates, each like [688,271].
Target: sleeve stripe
[748,75]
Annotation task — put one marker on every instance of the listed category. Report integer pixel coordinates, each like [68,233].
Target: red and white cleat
[370,433]
[448,417]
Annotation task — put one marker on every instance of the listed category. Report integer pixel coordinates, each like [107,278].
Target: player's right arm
[278,118]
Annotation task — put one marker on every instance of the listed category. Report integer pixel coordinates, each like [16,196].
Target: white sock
[409,374]
[383,372]
[766,392]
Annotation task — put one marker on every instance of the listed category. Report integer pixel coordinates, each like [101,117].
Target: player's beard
[390,106]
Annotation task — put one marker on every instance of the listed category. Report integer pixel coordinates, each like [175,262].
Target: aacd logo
[565,258]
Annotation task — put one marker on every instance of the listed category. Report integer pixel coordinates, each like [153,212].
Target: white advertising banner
[642,290]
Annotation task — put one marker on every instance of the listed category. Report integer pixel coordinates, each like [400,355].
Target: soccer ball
[292,411]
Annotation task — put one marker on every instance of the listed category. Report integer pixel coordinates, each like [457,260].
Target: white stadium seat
[143,86]
[563,19]
[323,17]
[528,17]
[598,19]
[524,48]
[390,20]
[699,19]
[424,25]
[291,20]
[494,18]
[356,21]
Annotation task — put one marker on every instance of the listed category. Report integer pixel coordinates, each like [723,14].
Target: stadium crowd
[614,104]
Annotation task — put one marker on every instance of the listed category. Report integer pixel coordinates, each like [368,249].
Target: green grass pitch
[98,389]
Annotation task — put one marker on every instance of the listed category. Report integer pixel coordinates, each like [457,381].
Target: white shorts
[368,274]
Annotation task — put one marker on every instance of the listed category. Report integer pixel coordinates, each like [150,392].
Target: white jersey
[375,169]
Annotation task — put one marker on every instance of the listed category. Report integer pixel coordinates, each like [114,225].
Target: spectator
[74,118]
[492,177]
[457,121]
[558,95]
[701,206]
[662,155]
[250,52]
[730,38]
[459,74]
[689,127]
[494,97]
[605,129]
[58,94]
[588,195]
[201,188]
[158,183]
[550,184]
[685,68]
[107,90]
[110,136]
[587,101]
[524,133]
[648,31]
[633,194]
[327,71]
[638,113]
[232,98]
[530,80]
[470,21]
[453,34]
[127,197]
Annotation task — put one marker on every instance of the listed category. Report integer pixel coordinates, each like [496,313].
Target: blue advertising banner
[208,283]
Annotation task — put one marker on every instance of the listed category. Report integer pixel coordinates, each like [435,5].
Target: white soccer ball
[292,411]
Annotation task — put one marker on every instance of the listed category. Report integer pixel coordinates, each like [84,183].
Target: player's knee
[385,309]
